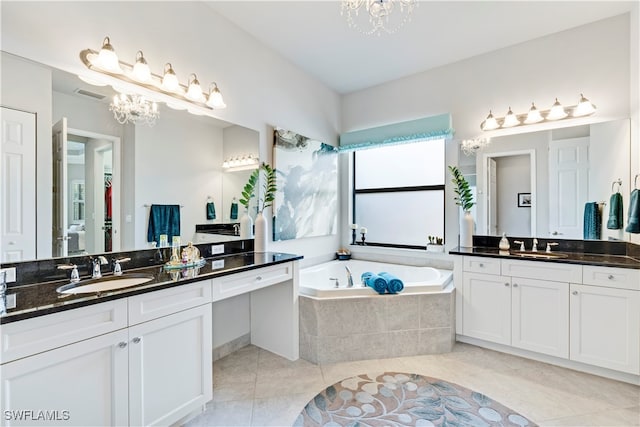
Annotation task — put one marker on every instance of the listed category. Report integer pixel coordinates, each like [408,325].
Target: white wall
[593,59]
[261,89]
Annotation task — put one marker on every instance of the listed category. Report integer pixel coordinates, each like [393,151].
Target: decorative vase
[466,230]
[260,242]
[246,226]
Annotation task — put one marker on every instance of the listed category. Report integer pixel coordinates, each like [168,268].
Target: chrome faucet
[522,248]
[3,292]
[75,276]
[117,268]
[551,244]
[349,277]
[97,262]
[534,247]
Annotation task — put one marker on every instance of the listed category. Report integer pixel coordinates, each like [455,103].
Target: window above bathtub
[398,193]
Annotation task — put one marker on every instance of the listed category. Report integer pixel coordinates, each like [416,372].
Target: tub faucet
[97,262]
[349,278]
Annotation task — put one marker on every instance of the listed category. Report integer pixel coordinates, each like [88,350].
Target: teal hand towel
[375,282]
[591,226]
[163,219]
[234,211]
[633,220]
[211,210]
[615,212]
[394,285]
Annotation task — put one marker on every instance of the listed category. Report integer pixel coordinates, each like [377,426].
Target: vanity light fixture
[556,112]
[238,163]
[106,62]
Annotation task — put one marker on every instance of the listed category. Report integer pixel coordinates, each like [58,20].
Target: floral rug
[396,399]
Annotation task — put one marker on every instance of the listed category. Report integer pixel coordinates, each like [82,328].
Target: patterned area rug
[396,399]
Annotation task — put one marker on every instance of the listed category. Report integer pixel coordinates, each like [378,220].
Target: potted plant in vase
[266,176]
[435,244]
[464,199]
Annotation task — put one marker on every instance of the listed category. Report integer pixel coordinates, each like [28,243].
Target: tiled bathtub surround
[380,326]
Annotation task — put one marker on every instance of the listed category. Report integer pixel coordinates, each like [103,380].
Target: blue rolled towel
[633,220]
[394,285]
[374,281]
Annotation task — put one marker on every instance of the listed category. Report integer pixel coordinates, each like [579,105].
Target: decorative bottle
[504,243]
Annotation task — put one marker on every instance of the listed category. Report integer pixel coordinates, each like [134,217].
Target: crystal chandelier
[471,146]
[134,109]
[379,14]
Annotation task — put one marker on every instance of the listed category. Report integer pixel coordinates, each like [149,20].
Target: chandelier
[379,14]
[134,109]
[471,146]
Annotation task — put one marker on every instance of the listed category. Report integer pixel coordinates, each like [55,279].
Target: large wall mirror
[106,175]
[536,184]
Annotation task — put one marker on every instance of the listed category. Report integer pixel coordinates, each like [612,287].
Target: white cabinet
[170,367]
[605,327]
[80,384]
[540,316]
[487,307]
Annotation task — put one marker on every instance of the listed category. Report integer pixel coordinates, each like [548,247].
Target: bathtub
[316,281]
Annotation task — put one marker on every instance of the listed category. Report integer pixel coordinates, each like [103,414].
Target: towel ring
[635,181]
[619,182]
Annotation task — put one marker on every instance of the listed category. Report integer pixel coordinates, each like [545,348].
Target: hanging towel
[211,210]
[394,285]
[633,220]
[615,212]
[592,221]
[163,219]
[375,282]
[234,210]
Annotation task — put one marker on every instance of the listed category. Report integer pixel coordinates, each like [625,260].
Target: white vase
[246,226]
[260,242]
[466,230]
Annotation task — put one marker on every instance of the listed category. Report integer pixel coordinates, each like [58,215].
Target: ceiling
[315,37]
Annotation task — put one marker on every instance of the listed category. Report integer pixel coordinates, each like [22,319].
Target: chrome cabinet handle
[136,340]
[574,293]
[122,344]
[481,265]
[506,284]
[515,285]
[259,278]
[611,277]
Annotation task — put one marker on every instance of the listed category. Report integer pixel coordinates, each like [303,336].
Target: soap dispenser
[504,243]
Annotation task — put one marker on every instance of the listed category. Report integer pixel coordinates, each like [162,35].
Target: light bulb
[194,91]
[533,116]
[584,108]
[169,80]
[215,97]
[557,111]
[490,122]
[510,119]
[107,58]
[141,71]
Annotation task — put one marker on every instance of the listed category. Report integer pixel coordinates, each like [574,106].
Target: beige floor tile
[289,381]
[279,411]
[234,391]
[618,418]
[233,413]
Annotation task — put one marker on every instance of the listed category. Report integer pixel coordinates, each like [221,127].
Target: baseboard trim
[231,347]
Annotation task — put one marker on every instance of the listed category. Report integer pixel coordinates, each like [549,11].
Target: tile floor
[253,387]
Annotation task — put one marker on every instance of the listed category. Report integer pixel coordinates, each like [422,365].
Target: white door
[568,186]
[540,312]
[605,327]
[60,209]
[492,197]
[82,384]
[18,186]
[486,307]
[170,366]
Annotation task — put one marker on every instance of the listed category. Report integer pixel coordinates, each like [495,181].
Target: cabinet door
[605,327]
[82,384]
[170,366]
[486,307]
[540,312]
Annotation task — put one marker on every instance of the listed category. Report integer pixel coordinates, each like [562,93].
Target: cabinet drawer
[481,265]
[236,284]
[611,277]
[31,336]
[555,272]
[153,305]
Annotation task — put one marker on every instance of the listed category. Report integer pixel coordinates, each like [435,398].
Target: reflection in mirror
[562,169]
[108,174]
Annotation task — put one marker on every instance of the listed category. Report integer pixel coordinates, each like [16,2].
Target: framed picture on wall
[524,200]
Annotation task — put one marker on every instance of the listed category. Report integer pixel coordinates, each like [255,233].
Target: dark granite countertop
[603,260]
[38,299]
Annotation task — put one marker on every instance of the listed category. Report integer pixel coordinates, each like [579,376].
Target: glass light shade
[107,58]
[194,91]
[490,122]
[169,80]
[215,98]
[141,70]
[510,120]
[533,116]
[176,106]
[557,111]
[584,108]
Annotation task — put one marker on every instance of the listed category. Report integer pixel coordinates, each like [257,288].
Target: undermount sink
[546,255]
[104,284]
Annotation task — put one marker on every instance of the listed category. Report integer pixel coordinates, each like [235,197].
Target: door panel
[60,217]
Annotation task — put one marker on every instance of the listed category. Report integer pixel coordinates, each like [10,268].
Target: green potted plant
[265,176]
[435,244]
[464,199]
